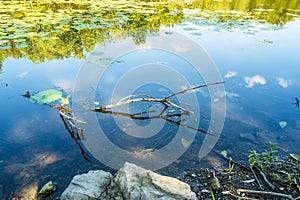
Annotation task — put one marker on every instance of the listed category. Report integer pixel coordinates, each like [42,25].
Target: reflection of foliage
[44,30]
[242,15]
[47,30]
[274,12]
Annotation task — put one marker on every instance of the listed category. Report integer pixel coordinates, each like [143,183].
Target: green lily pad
[171,111]
[224,153]
[282,124]
[185,143]
[46,96]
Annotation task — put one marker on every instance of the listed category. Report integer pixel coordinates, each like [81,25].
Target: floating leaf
[97,53]
[282,124]
[118,61]
[224,153]
[196,33]
[266,41]
[185,143]
[65,100]
[102,62]
[96,103]
[46,96]
[170,111]
[189,29]
[169,32]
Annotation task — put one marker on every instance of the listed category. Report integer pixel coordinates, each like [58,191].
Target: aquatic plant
[266,159]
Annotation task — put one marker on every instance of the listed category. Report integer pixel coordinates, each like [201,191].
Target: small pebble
[205,191]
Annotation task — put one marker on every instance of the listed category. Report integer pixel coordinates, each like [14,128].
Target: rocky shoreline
[131,182]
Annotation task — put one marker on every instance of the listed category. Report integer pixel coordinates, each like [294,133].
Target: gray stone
[90,186]
[137,183]
[130,183]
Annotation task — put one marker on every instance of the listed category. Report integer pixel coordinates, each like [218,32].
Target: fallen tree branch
[193,88]
[264,192]
[121,103]
[71,118]
[75,131]
[265,178]
[238,197]
[258,182]
[147,98]
[160,116]
[166,102]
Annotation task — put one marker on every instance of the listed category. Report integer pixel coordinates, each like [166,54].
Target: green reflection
[277,12]
[46,30]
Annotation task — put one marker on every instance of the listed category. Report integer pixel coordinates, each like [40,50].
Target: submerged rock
[130,183]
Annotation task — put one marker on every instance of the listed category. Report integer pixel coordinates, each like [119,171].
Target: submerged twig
[264,192]
[75,132]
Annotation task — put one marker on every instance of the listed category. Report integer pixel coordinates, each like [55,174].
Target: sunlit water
[259,62]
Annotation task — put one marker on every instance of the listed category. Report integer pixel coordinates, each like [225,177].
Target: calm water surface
[42,46]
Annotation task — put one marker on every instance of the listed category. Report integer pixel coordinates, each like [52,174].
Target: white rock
[137,183]
[88,186]
[130,183]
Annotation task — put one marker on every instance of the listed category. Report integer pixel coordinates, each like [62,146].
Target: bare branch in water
[75,132]
[166,102]
[193,88]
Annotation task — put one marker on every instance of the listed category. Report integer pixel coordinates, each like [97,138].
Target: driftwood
[77,133]
[166,102]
